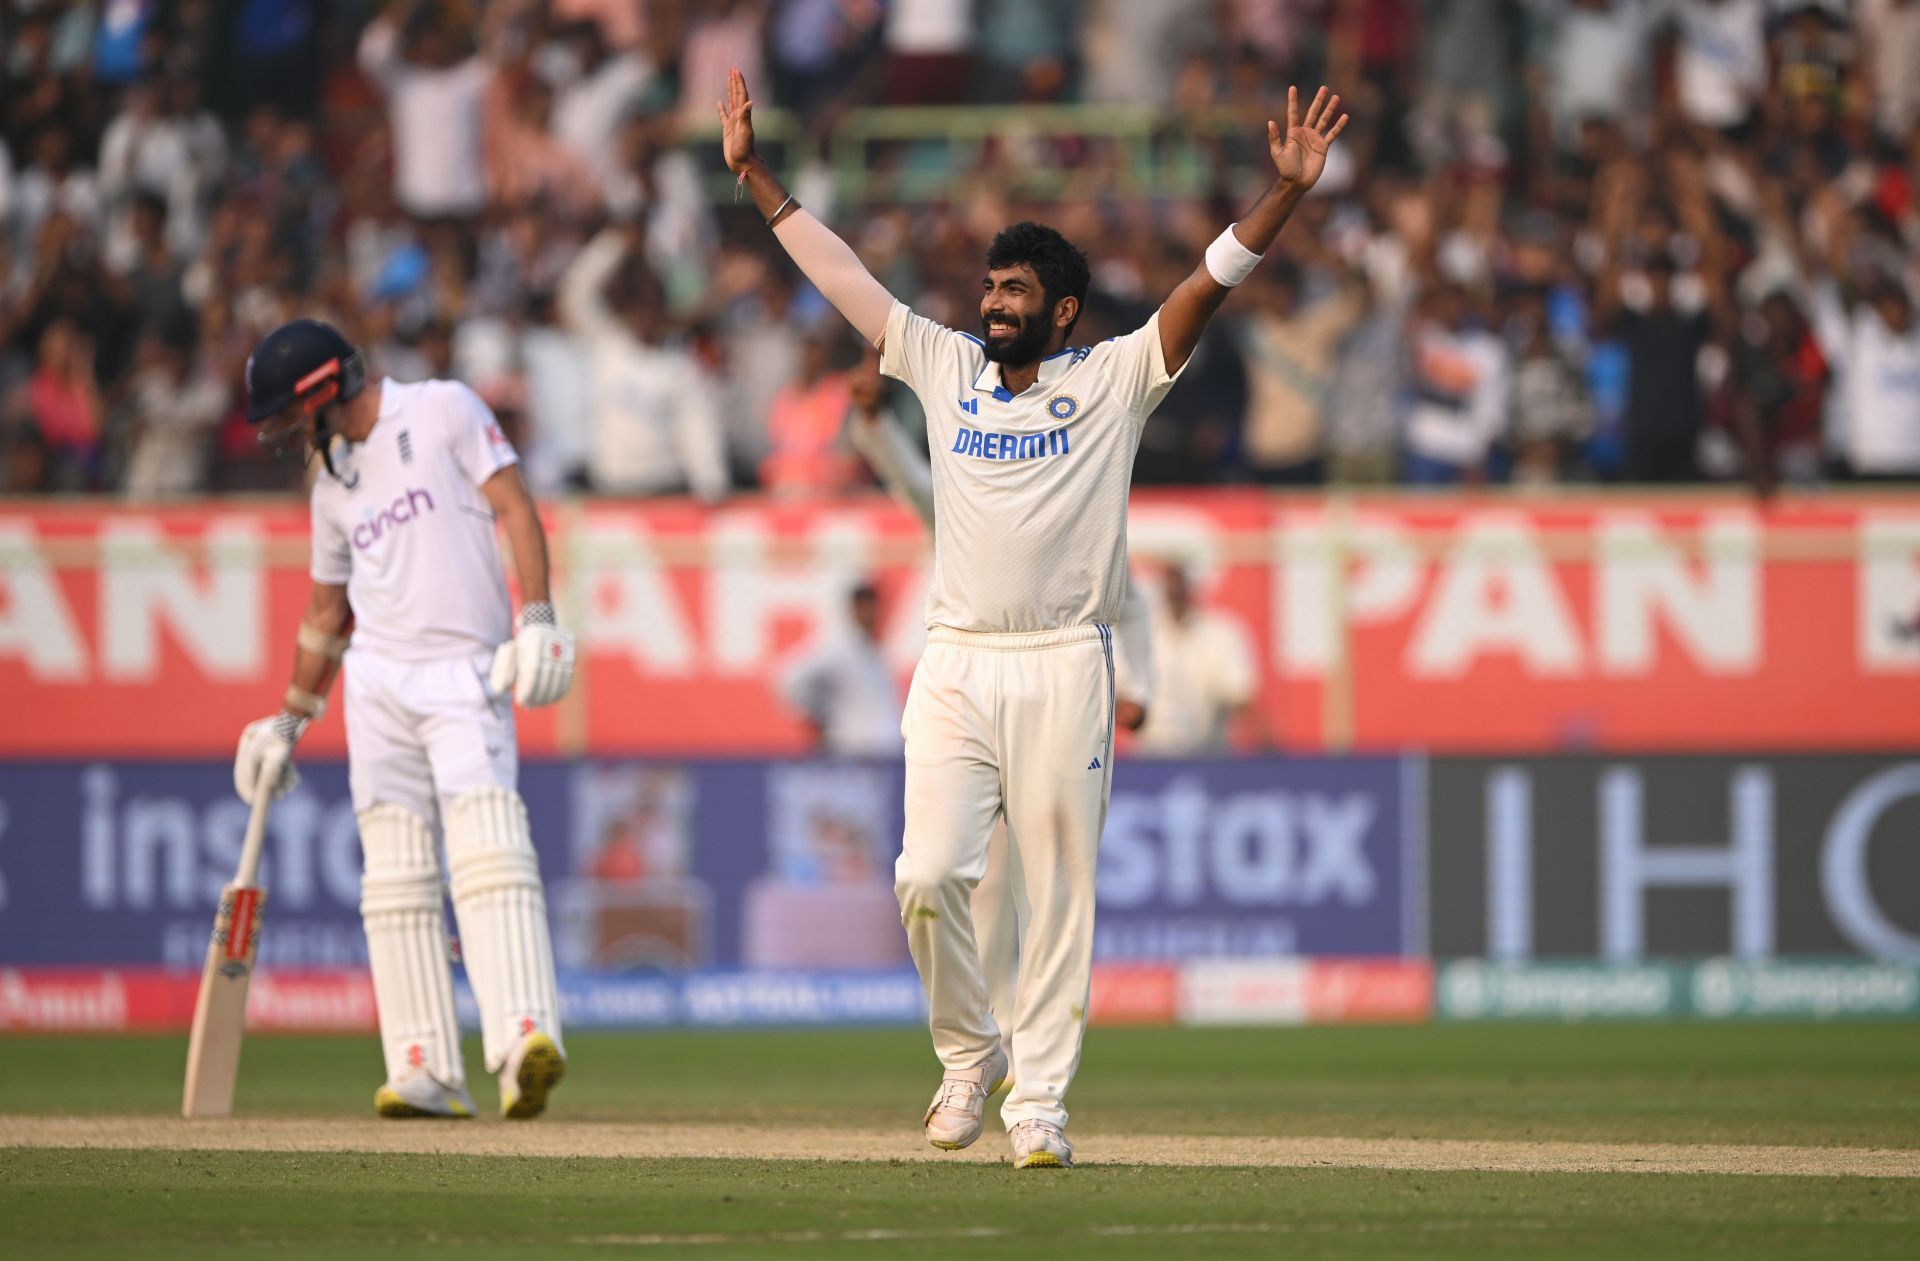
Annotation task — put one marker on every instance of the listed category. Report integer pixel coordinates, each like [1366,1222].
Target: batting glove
[537,666]
[266,756]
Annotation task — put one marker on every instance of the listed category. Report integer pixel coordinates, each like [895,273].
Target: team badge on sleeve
[1062,406]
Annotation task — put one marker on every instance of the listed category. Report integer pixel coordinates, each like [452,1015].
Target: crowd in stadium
[1564,240]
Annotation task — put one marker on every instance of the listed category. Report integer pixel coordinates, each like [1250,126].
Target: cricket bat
[220,1012]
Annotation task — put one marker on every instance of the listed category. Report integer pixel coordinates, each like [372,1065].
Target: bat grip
[256,832]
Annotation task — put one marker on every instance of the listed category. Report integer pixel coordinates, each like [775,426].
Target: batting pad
[503,918]
[406,925]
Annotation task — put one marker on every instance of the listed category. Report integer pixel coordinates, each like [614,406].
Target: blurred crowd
[1562,240]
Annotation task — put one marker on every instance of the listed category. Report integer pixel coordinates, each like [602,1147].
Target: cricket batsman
[413,479]
[1011,710]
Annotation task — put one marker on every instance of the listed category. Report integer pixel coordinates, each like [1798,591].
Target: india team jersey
[408,532]
[1030,489]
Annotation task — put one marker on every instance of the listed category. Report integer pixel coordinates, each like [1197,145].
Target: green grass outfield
[1850,1086]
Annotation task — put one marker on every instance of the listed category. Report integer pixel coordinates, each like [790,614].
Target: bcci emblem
[1062,406]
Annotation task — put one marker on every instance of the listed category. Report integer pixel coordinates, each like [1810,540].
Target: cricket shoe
[1040,1145]
[421,1094]
[534,1067]
[954,1119]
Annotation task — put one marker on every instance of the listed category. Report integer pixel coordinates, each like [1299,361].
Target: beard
[1028,340]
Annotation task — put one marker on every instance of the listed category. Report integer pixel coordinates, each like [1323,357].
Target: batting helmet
[305,362]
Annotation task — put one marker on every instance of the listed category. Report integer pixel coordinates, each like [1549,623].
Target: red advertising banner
[1471,624]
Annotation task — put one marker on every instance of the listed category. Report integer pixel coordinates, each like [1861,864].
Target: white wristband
[1228,261]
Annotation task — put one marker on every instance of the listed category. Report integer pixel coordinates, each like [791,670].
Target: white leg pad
[502,909]
[401,907]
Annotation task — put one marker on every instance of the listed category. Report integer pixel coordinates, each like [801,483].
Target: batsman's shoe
[534,1067]
[1040,1145]
[421,1094]
[954,1119]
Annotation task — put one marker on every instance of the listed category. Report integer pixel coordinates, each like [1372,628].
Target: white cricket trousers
[1020,727]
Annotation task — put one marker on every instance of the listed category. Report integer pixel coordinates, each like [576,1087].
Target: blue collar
[1052,368]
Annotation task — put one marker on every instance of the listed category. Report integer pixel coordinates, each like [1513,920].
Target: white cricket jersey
[408,532]
[1030,489]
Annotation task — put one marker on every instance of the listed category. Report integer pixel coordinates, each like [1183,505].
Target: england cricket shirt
[405,527]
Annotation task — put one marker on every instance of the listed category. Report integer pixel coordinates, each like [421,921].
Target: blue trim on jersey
[1106,646]
[1001,394]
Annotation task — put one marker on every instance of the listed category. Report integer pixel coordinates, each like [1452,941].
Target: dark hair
[1061,267]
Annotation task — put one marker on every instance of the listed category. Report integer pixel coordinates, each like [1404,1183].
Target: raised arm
[826,260]
[1299,156]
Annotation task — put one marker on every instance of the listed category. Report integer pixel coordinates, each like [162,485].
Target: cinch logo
[1009,446]
[401,511]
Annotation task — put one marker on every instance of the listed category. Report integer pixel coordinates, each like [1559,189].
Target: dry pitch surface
[1591,1142]
[656,1142]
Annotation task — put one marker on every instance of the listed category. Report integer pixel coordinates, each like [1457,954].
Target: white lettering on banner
[751,594]
[1496,593]
[1641,581]
[96,1001]
[1509,799]
[1889,594]
[36,625]
[1384,584]
[144,582]
[631,606]
[148,853]
[1276,848]
[1843,865]
[1629,867]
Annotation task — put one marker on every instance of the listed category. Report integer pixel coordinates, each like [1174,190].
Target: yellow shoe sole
[541,1069]
[1043,1160]
[388,1103]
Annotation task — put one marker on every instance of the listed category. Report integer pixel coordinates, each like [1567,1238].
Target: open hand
[736,123]
[1300,153]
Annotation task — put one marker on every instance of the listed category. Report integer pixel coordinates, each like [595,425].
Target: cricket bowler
[412,481]
[1011,711]
[999,910]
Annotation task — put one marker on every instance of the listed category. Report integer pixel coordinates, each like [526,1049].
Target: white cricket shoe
[421,1094]
[954,1119]
[534,1067]
[1040,1145]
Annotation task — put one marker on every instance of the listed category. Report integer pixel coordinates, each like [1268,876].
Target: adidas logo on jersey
[971,406]
[1094,765]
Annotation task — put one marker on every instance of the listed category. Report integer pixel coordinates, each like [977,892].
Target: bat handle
[256,832]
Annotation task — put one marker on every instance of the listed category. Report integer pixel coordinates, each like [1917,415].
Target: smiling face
[1017,322]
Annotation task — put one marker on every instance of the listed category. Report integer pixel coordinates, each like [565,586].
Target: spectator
[845,690]
[1890,40]
[810,452]
[1459,386]
[725,35]
[1289,349]
[65,406]
[656,428]
[178,401]
[1872,342]
[1204,678]
[1720,61]
[1665,408]
[1773,405]
[1552,415]
[436,94]
[592,102]
[929,46]
[1595,64]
